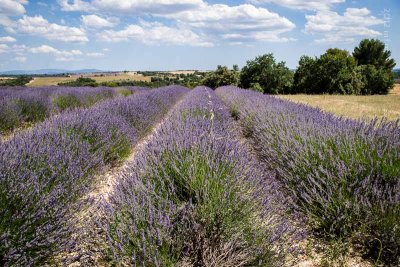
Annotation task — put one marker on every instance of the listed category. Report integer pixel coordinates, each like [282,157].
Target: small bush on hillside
[80,82]
[66,101]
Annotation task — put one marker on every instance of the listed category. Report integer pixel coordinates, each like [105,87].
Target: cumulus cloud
[302,4]
[7,39]
[61,55]
[191,19]
[336,28]
[243,22]
[3,48]
[130,6]
[9,8]
[39,26]
[155,33]
[12,7]
[95,54]
[20,59]
[94,21]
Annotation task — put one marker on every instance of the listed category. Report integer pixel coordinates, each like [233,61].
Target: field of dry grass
[47,81]
[365,107]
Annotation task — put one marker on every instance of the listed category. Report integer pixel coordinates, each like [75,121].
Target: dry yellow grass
[47,81]
[364,107]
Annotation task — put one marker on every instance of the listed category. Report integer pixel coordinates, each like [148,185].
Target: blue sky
[185,34]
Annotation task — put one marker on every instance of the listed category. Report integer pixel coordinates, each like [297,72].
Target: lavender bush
[343,174]
[45,170]
[196,197]
[24,106]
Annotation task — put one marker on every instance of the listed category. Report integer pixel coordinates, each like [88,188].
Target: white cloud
[7,39]
[3,48]
[9,8]
[94,21]
[95,54]
[76,5]
[155,33]
[20,59]
[130,6]
[335,28]
[39,26]
[243,22]
[302,4]
[65,59]
[12,7]
[61,55]
[191,19]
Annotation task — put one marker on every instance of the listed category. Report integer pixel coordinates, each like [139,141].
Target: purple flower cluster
[21,106]
[45,170]
[195,195]
[344,175]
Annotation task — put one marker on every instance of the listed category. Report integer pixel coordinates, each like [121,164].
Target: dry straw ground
[365,107]
[47,81]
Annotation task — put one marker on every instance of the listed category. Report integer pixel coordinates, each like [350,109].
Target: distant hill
[47,71]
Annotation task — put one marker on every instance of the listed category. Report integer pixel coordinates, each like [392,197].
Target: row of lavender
[344,175]
[45,170]
[21,106]
[196,197]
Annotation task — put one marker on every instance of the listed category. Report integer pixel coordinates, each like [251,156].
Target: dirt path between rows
[90,239]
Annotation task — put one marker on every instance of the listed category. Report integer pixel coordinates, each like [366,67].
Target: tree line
[368,70]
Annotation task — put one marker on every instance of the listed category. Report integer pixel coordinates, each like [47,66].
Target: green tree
[338,73]
[372,52]
[306,78]
[263,71]
[375,66]
[376,81]
[220,77]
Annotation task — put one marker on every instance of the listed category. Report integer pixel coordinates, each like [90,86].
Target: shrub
[196,197]
[80,82]
[44,171]
[342,174]
[17,81]
[67,101]
[124,91]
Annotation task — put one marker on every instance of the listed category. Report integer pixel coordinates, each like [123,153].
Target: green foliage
[376,66]
[334,72]
[32,111]
[11,118]
[272,77]
[124,92]
[256,87]
[81,81]
[375,80]
[66,101]
[337,71]
[17,81]
[305,77]
[216,213]
[221,76]
[372,52]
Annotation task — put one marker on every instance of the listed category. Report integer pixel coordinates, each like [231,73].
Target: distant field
[366,107]
[47,81]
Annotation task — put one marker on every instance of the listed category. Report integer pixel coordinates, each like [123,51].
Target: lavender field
[192,177]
